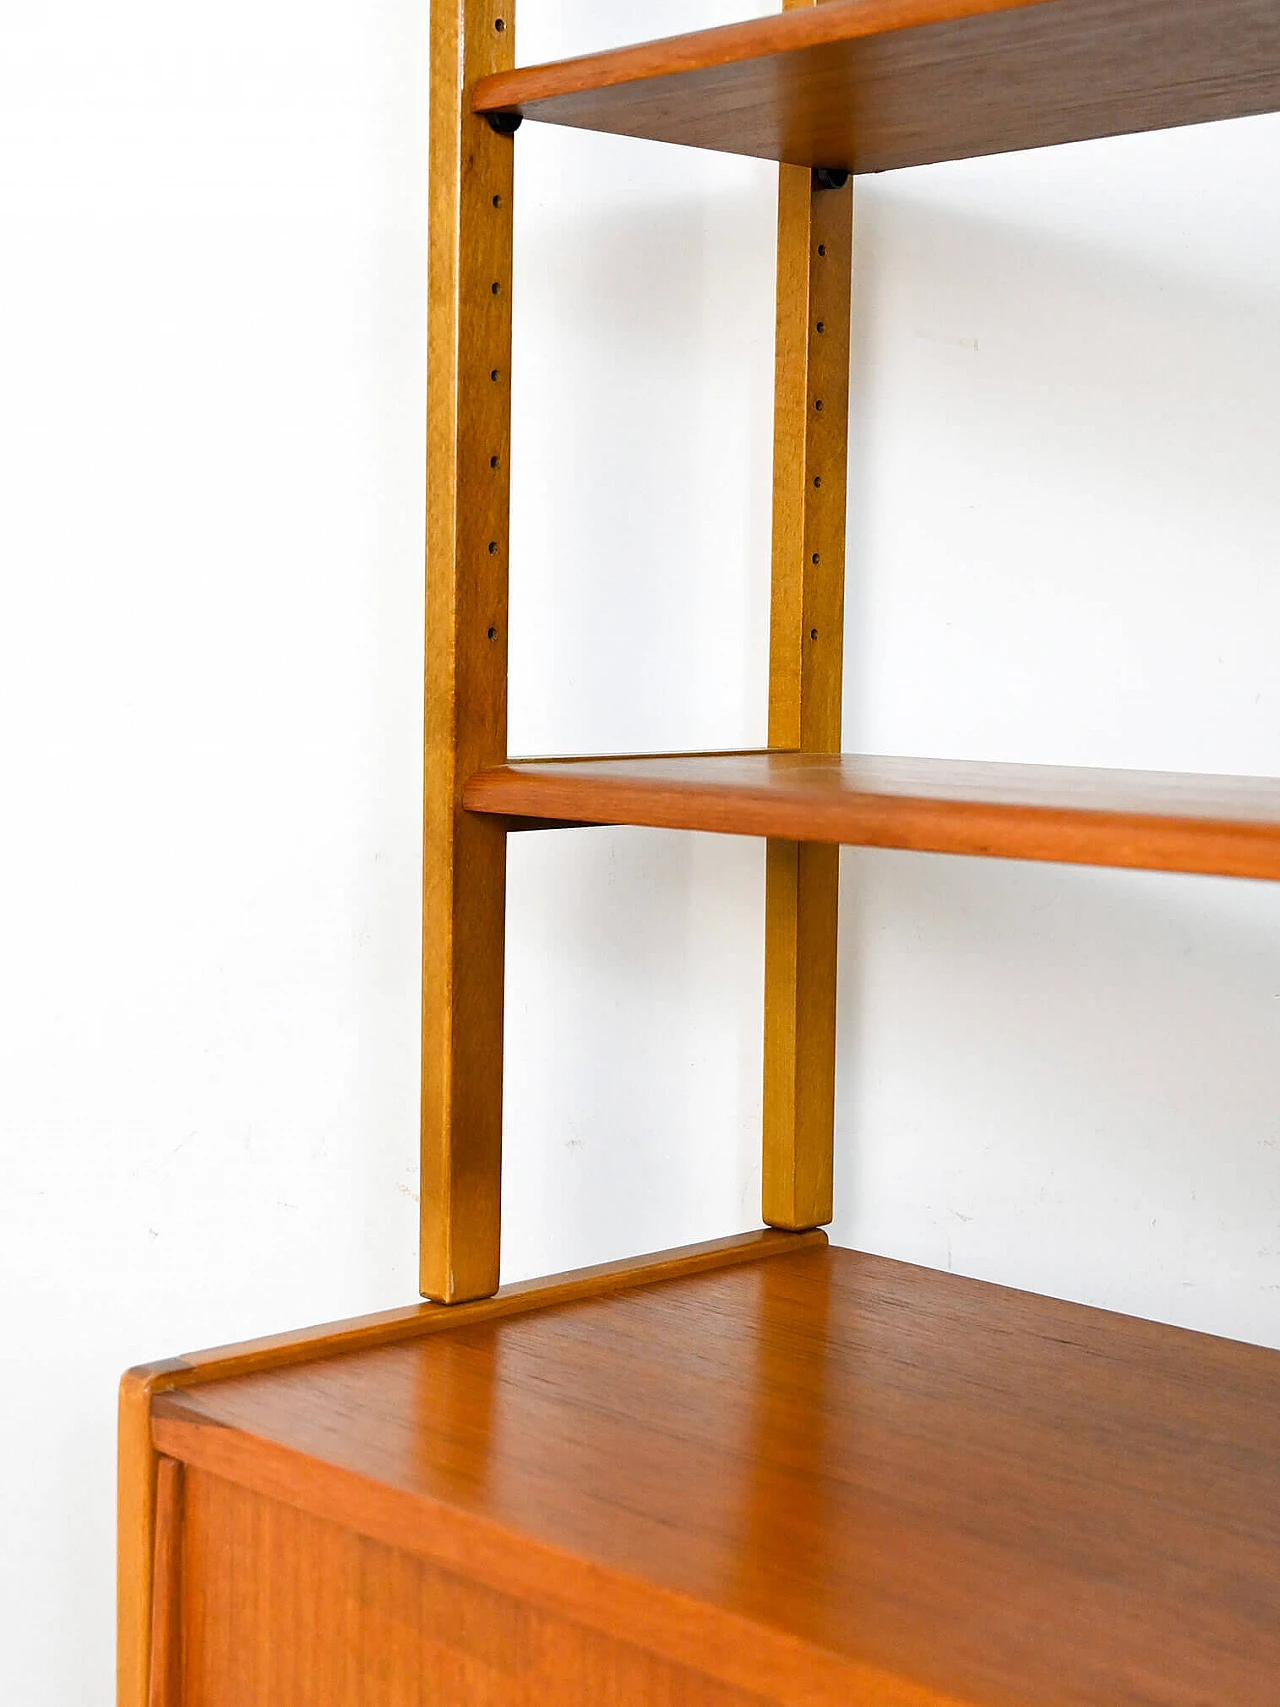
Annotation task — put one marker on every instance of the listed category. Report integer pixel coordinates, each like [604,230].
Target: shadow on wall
[642,443]
[1066,1080]
[1064,510]
[1064,526]
[634,1017]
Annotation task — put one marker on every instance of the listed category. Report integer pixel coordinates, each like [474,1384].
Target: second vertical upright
[806,648]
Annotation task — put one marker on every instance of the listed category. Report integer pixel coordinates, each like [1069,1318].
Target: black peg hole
[817,557]
[822,325]
[493,462]
[493,548]
[493,634]
[818,405]
[497,201]
[817,480]
[496,289]
[813,634]
[493,374]
[822,248]
[499,24]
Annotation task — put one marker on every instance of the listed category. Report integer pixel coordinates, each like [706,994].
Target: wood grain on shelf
[874,84]
[820,1479]
[464,860]
[806,656]
[1153,820]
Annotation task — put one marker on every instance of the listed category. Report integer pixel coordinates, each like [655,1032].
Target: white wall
[1065,517]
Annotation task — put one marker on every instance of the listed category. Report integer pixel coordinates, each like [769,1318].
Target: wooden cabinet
[768,1471]
[764,1470]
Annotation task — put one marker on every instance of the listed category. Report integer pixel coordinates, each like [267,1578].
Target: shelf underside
[1223,825]
[829,1477]
[872,84]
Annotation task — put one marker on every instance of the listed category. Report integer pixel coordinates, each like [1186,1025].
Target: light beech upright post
[468,435]
[467,496]
[806,648]
[408,1508]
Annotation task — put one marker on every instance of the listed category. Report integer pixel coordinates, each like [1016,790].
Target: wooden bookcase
[762,1470]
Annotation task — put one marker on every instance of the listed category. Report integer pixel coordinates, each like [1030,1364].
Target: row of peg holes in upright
[495,461]
[820,328]
[495,374]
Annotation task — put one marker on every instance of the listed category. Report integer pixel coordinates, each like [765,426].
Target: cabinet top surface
[869,85]
[993,1497]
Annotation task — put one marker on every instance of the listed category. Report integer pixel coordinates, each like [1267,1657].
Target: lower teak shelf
[1153,820]
[762,1471]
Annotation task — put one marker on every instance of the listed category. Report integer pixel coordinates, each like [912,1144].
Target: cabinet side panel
[166,1630]
[135,1540]
[282,1609]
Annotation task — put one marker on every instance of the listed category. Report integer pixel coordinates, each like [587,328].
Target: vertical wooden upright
[806,645]
[468,441]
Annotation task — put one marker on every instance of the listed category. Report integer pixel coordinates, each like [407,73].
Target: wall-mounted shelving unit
[766,1470]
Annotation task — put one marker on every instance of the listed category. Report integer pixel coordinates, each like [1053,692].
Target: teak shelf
[873,84]
[763,1470]
[1224,825]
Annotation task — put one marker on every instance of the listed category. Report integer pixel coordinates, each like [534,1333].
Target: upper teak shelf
[1225,825]
[868,85]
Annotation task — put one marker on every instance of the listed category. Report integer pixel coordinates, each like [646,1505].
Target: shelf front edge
[1208,842]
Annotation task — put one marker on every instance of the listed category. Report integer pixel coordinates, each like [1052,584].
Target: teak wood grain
[1156,821]
[806,657]
[464,859]
[138,1472]
[166,1621]
[874,84]
[284,1609]
[822,1479]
